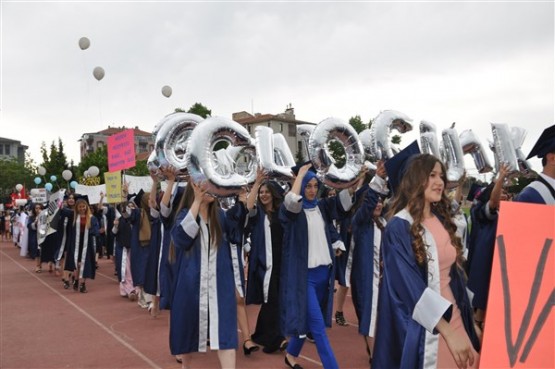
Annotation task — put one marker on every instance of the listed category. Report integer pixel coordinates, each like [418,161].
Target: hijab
[307,178]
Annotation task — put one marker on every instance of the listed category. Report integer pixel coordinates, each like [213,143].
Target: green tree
[12,173]
[200,109]
[98,158]
[55,162]
[140,169]
[357,123]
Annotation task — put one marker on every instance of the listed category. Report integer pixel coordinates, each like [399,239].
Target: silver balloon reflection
[172,137]
[304,131]
[380,129]
[365,138]
[336,129]
[504,148]
[454,156]
[472,145]
[274,155]
[518,135]
[428,139]
[201,162]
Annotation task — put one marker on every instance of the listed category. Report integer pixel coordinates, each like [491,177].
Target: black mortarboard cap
[136,198]
[297,167]
[397,165]
[81,197]
[474,191]
[545,144]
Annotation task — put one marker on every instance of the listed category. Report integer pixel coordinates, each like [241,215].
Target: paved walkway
[43,325]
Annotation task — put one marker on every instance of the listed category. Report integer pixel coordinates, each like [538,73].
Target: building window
[292,130]
[99,144]
[249,128]
[7,150]
[2,149]
[281,127]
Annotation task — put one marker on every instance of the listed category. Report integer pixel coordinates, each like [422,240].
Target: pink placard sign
[121,150]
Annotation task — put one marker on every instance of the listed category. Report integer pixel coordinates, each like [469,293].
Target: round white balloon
[98,73]
[167,91]
[84,43]
[18,187]
[93,171]
[66,174]
[42,171]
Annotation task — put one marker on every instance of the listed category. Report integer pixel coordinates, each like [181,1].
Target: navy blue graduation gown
[85,251]
[537,193]
[410,302]
[480,253]
[365,268]
[139,253]
[294,270]
[151,268]
[204,305]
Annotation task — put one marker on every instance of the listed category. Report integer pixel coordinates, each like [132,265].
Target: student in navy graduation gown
[364,261]
[307,275]
[542,190]
[484,216]
[82,247]
[424,313]
[264,268]
[204,307]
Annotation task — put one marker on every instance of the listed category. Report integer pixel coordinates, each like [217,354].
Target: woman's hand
[170,172]
[199,190]
[459,345]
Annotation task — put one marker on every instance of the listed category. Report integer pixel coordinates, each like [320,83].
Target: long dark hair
[277,198]
[214,226]
[410,195]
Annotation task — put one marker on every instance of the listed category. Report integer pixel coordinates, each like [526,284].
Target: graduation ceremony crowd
[416,266]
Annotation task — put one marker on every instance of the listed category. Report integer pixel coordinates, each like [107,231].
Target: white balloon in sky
[84,43]
[19,187]
[98,73]
[167,91]
[42,171]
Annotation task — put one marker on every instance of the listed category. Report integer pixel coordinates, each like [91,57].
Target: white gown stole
[376,277]
[62,247]
[85,246]
[269,260]
[208,292]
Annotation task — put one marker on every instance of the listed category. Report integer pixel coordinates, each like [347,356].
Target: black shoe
[75,284]
[247,350]
[66,284]
[83,288]
[309,337]
[296,366]
[340,318]
[283,346]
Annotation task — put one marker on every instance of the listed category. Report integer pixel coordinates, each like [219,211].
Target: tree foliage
[12,172]
[357,123]
[98,158]
[199,109]
[55,161]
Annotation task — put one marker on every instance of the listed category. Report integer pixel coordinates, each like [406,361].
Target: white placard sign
[93,192]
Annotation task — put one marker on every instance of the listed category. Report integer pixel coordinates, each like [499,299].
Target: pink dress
[447,256]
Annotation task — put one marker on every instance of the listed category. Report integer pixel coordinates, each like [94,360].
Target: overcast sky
[466,62]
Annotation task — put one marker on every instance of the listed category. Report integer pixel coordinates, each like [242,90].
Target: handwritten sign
[113,187]
[520,326]
[121,150]
[92,192]
[39,196]
[137,183]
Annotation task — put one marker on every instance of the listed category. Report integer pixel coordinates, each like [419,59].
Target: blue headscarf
[307,178]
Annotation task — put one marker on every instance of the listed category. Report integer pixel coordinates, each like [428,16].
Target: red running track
[43,325]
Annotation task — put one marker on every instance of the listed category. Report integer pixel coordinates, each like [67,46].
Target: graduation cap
[136,198]
[397,165]
[545,144]
[474,191]
[297,167]
[77,197]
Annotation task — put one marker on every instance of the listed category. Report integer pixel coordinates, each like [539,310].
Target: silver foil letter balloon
[504,148]
[172,135]
[380,129]
[454,156]
[472,145]
[518,135]
[274,155]
[336,129]
[201,162]
[428,139]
